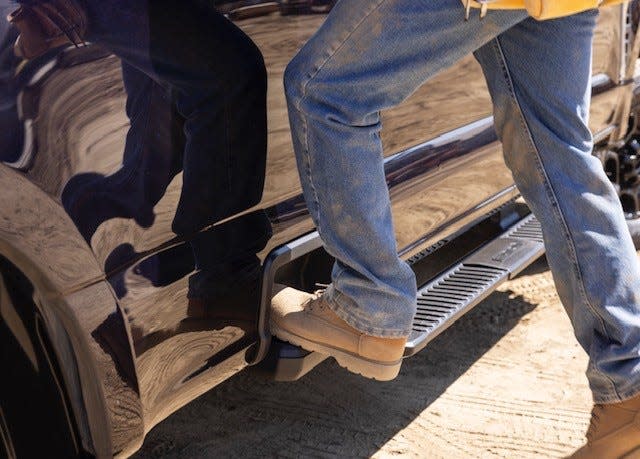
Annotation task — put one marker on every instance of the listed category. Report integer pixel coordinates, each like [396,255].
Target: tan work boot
[306,320]
[614,432]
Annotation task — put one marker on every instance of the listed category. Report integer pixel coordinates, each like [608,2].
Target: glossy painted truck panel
[114,279]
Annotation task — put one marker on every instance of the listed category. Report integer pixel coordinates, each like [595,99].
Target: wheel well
[36,418]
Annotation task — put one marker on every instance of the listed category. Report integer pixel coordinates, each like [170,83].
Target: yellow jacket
[541,9]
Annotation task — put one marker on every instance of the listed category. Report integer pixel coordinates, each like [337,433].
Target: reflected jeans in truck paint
[371,55]
[218,79]
[153,155]
[196,101]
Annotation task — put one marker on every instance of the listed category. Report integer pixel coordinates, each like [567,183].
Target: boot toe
[288,300]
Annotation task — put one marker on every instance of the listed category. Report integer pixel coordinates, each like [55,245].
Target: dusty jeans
[371,55]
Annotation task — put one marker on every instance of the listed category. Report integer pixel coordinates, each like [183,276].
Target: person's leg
[228,277]
[155,142]
[152,157]
[368,56]
[219,81]
[539,77]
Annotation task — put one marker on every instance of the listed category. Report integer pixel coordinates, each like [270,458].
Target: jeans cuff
[344,307]
[606,399]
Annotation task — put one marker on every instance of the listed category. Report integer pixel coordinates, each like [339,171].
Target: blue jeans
[372,54]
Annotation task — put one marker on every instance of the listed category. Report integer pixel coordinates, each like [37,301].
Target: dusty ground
[505,381]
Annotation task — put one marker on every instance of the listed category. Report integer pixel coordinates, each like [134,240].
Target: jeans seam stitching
[316,200]
[307,169]
[552,196]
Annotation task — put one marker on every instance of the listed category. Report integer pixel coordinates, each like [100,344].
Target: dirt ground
[506,381]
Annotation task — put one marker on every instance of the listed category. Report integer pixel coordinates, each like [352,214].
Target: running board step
[445,299]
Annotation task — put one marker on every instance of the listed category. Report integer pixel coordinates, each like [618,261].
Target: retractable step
[442,301]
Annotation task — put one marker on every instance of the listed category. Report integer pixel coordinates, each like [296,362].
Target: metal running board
[442,301]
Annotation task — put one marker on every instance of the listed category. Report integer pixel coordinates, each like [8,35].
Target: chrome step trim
[445,299]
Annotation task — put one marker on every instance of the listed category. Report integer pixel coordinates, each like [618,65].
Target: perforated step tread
[442,301]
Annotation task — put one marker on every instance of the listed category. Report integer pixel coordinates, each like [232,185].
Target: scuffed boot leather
[307,320]
[614,432]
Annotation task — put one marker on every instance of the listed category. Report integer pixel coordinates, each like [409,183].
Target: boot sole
[373,369]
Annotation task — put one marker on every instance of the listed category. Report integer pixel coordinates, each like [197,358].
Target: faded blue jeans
[372,54]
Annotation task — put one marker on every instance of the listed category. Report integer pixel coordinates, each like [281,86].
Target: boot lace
[317,302]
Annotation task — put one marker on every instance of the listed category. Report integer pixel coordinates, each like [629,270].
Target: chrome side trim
[600,79]
[466,132]
[604,134]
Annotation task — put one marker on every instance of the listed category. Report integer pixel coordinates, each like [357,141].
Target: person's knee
[314,93]
[322,92]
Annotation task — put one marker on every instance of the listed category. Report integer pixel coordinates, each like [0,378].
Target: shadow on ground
[331,412]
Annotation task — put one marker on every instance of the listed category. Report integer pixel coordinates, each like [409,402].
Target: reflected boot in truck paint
[229,295]
[47,25]
[226,285]
[308,320]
